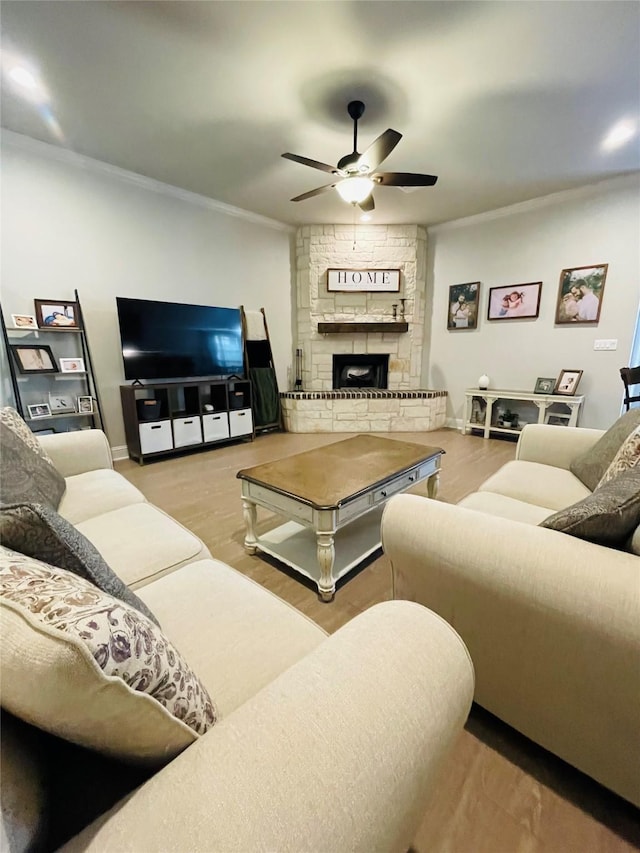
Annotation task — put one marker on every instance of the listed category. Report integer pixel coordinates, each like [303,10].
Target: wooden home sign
[358,281]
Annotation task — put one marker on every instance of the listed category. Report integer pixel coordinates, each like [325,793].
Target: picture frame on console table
[567,382]
[515,301]
[544,385]
[463,306]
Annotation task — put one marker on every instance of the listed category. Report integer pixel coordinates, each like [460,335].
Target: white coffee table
[332,498]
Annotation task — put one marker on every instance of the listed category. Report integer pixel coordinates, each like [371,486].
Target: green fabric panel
[266,402]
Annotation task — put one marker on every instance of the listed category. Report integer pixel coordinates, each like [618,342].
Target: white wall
[534,242]
[69,222]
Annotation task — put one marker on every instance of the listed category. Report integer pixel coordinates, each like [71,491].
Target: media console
[164,418]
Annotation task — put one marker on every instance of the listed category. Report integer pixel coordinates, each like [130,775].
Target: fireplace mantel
[350,328]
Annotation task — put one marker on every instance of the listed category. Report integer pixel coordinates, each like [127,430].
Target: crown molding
[586,191]
[65,155]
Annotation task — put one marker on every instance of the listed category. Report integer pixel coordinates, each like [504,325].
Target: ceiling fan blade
[311,193]
[315,164]
[368,204]
[403,179]
[379,150]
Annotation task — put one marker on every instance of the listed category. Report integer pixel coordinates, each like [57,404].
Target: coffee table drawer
[400,484]
[278,503]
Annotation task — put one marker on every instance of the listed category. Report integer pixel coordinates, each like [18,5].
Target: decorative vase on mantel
[483,382]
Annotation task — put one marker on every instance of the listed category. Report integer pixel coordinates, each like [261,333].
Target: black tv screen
[170,340]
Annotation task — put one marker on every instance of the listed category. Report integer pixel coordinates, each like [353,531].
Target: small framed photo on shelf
[34,358]
[39,410]
[580,294]
[24,321]
[463,306]
[567,382]
[72,365]
[60,404]
[52,313]
[514,302]
[85,405]
[544,386]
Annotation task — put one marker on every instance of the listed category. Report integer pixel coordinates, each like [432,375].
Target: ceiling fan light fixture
[354,190]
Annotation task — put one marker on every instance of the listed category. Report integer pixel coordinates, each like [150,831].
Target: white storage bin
[155,436]
[215,427]
[240,422]
[187,431]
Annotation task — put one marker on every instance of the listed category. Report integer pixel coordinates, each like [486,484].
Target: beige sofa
[324,743]
[552,622]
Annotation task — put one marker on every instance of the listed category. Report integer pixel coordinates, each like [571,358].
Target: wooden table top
[332,475]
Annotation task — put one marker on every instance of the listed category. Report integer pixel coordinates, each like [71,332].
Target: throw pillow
[627,457]
[82,665]
[608,516]
[11,419]
[589,467]
[38,531]
[27,474]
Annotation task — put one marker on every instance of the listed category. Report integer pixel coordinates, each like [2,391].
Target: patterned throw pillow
[627,457]
[27,474]
[82,665]
[608,516]
[38,531]
[590,466]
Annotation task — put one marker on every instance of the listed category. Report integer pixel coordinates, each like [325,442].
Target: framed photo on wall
[567,382]
[580,294]
[515,301]
[463,306]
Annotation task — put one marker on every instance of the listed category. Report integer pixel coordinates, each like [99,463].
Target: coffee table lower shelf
[296,545]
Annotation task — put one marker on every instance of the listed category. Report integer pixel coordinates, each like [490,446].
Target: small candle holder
[394,308]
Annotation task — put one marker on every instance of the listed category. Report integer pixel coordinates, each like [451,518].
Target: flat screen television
[171,340]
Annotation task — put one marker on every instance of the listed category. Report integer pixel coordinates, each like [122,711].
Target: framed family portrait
[39,410]
[85,405]
[514,301]
[544,386]
[463,306]
[24,321]
[72,365]
[567,382]
[34,358]
[51,313]
[580,294]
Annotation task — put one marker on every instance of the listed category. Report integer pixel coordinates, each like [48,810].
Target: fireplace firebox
[360,371]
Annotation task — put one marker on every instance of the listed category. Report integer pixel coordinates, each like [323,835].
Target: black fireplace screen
[360,371]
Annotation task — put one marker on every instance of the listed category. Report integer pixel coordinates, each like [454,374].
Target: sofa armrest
[552,624]
[338,753]
[78,451]
[555,445]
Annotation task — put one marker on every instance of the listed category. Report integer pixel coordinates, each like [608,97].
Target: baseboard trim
[119,453]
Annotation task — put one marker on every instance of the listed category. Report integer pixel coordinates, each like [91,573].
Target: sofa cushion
[83,665]
[235,634]
[25,474]
[535,483]
[504,507]
[38,531]
[590,467]
[628,456]
[142,543]
[608,516]
[12,420]
[96,492]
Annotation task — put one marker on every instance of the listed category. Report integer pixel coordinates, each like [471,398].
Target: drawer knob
[412,477]
[384,494]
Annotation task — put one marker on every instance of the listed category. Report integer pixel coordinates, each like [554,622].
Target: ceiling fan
[356,172]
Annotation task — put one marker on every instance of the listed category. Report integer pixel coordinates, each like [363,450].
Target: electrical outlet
[606,344]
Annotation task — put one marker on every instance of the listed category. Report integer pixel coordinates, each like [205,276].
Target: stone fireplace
[357,328]
[360,371]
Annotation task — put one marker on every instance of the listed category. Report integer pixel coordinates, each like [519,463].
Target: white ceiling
[504,101]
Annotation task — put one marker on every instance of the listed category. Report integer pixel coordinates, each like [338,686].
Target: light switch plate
[606,344]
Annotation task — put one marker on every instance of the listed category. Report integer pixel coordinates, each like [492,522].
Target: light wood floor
[499,793]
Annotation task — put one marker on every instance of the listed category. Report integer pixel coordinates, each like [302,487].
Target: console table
[542,401]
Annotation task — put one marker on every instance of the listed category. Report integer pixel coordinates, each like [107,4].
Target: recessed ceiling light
[619,134]
[366,217]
